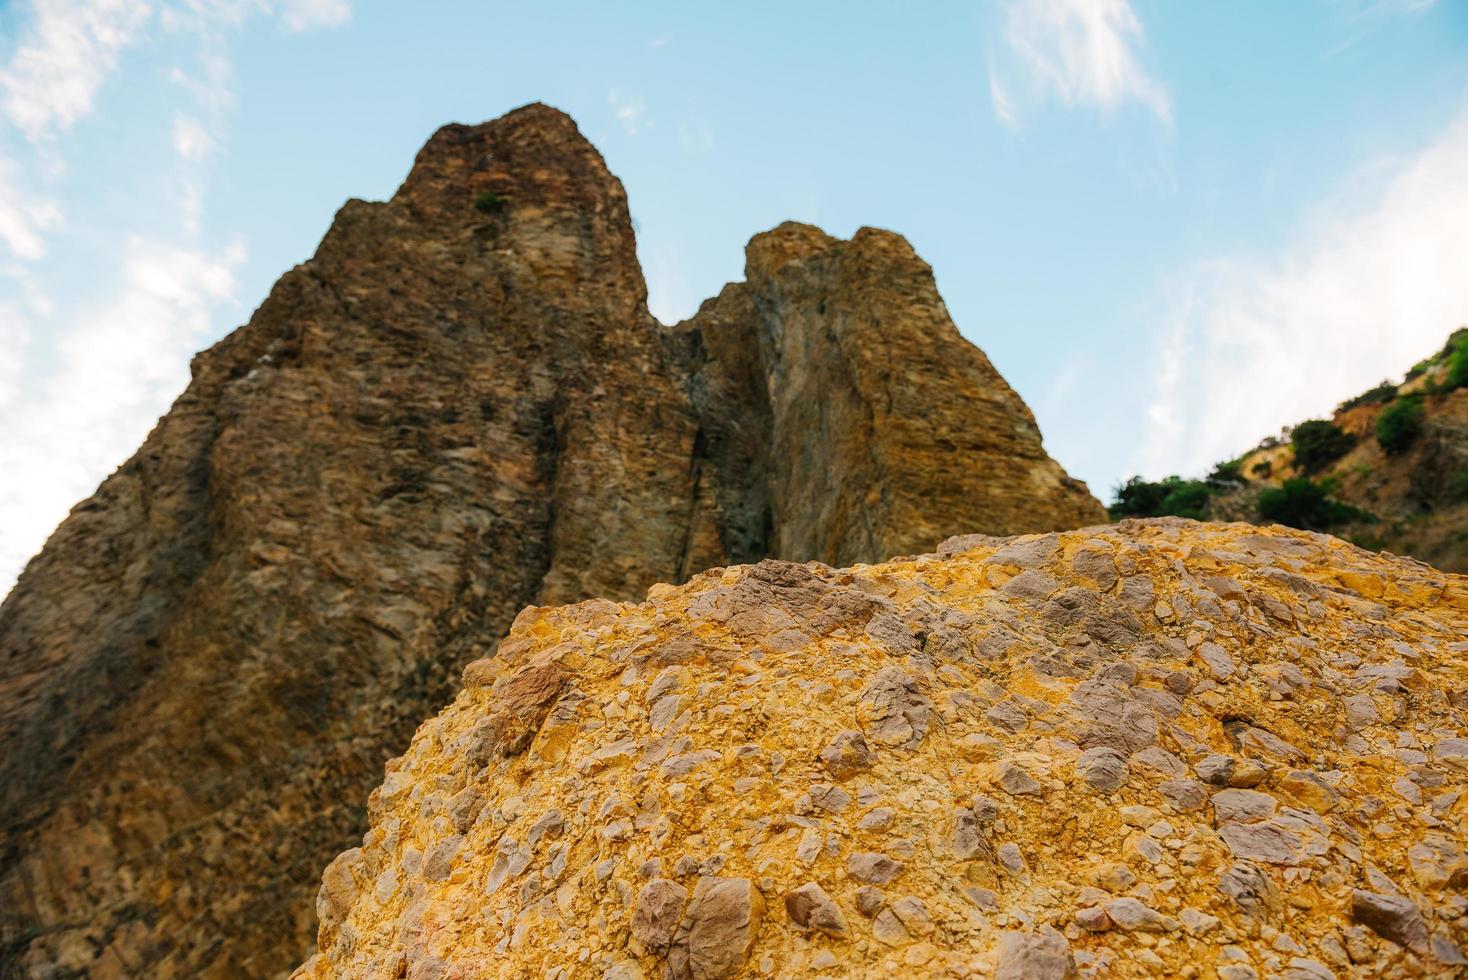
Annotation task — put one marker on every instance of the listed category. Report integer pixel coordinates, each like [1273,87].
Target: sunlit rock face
[460,406]
[1154,749]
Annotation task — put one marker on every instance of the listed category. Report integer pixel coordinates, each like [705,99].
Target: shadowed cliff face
[450,412]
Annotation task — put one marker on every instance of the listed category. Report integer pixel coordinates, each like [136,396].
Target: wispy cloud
[1257,342]
[630,111]
[308,15]
[69,49]
[1083,52]
[24,216]
[80,386]
[116,365]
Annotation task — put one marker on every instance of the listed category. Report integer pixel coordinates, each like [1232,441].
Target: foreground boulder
[459,406]
[1154,749]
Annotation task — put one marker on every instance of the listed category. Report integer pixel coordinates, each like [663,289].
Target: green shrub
[1458,486]
[1305,504]
[489,202]
[1169,497]
[1318,443]
[1262,469]
[1383,392]
[1226,473]
[1457,376]
[1399,424]
[1419,369]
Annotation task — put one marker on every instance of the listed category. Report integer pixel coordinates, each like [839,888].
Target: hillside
[1388,470]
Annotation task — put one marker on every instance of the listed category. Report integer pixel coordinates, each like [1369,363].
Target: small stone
[1451,752]
[913,915]
[658,912]
[1103,768]
[1133,916]
[1197,923]
[1040,955]
[1242,804]
[1185,795]
[887,928]
[869,900]
[1093,919]
[811,908]
[1114,877]
[846,755]
[879,818]
[718,929]
[1011,859]
[832,799]
[1139,816]
[1015,780]
[1391,917]
[876,869]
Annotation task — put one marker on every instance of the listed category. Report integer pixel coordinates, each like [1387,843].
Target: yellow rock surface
[1159,748]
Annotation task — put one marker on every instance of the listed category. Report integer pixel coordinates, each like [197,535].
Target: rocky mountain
[1388,470]
[459,407]
[1159,748]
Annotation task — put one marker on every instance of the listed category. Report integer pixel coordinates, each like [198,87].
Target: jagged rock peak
[1159,748]
[458,407]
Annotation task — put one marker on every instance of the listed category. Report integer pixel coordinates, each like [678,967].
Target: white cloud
[629,110]
[1369,288]
[307,15]
[62,59]
[116,367]
[1004,107]
[1084,52]
[190,140]
[24,216]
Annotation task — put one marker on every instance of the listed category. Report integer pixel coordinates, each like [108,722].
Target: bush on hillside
[1383,392]
[1169,497]
[1398,425]
[1318,443]
[1305,504]
[1457,376]
[1227,473]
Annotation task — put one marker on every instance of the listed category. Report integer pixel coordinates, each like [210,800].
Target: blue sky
[1174,227]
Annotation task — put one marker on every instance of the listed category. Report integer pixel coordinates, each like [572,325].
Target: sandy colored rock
[961,877]
[457,408]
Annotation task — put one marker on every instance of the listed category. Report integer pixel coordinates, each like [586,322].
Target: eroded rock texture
[458,407]
[1155,749]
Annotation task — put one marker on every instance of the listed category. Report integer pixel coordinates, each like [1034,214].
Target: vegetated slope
[459,406]
[1158,748]
[1388,470]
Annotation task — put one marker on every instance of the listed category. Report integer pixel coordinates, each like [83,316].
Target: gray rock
[811,908]
[893,709]
[1250,888]
[1242,805]
[1016,780]
[1451,752]
[1040,955]
[439,863]
[869,900]
[657,914]
[1133,916]
[846,754]
[1103,768]
[876,869]
[718,930]
[1185,795]
[1391,917]
[1217,661]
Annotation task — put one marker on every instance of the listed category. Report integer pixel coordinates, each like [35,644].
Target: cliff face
[458,407]
[1160,748]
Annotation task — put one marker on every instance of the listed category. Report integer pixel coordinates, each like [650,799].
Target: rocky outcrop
[458,407]
[1158,748]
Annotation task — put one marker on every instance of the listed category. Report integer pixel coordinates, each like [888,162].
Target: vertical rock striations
[458,407]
